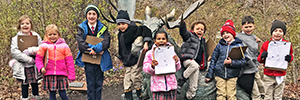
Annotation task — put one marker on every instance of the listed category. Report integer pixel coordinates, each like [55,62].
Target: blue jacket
[106,62]
[217,61]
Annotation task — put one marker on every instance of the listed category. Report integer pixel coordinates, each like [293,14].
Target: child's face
[277,34]
[199,30]
[26,26]
[52,35]
[228,37]
[122,26]
[248,28]
[91,16]
[161,39]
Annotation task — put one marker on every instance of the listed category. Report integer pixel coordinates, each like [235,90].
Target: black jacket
[191,46]
[126,39]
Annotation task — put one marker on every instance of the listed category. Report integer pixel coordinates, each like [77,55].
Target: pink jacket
[159,82]
[60,59]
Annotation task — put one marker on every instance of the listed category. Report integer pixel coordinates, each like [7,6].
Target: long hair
[22,18]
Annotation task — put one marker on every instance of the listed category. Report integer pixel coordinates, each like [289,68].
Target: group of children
[193,56]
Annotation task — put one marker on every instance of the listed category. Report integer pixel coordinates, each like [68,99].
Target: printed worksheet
[164,56]
[277,51]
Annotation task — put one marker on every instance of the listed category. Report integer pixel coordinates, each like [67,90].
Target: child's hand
[26,51]
[146,46]
[209,58]
[101,52]
[43,70]
[154,63]
[207,79]
[175,57]
[227,61]
[92,52]
[257,39]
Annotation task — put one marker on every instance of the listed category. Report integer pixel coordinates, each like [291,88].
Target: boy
[224,68]
[274,89]
[93,72]
[193,55]
[128,32]
[250,76]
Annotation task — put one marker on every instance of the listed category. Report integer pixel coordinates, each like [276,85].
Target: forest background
[68,14]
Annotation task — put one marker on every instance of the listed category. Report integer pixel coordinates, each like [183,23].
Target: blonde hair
[22,18]
[51,27]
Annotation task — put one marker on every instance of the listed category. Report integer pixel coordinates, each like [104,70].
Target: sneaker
[21,98]
[36,97]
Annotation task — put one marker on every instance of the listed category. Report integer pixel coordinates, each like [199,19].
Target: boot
[24,98]
[139,93]
[128,95]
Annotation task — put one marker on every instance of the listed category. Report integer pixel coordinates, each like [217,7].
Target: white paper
[277,51]
[164,56]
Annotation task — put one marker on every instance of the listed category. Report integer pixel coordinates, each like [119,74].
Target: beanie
[229,27]
[123,17]
[278,24]
[92,7]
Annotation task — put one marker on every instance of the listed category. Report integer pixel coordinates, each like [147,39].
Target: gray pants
[191,72]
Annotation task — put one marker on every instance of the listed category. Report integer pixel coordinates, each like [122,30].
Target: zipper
[166,83]
[225,59]
[197,49]
[54,59]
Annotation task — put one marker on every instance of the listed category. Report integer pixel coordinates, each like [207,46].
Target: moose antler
[185,15]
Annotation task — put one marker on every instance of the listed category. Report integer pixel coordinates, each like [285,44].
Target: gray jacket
[23,60]
[252,52]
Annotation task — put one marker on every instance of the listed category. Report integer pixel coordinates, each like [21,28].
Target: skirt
[30,75]
[55,82]
[169,95]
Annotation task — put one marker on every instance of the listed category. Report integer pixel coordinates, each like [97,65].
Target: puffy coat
[217,61]
[60,61]
[159,82]
[106,62]
[270,72]
[191,46]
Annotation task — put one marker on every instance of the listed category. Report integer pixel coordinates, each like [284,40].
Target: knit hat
[123,17]
[278,24]
[92,7]
[229,27]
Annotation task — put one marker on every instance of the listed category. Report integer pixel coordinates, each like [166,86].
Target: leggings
[35,89]
[62,94]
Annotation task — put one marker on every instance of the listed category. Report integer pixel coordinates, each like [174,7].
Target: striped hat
[92,7]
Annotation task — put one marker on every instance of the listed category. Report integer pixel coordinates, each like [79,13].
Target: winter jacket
[159,82]
[220,53]
[83,30]
[252,52]
[23,59]
[270,72]
[60,59]
[126,39]
[191,46]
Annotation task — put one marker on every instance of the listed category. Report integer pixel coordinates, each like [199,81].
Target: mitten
[288,58]
[264,54]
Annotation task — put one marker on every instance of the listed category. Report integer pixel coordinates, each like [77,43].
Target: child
[250,76]
[163,86]
[93,72]
[23,62]
[225,69]
[128,32]
[273,89]
[60,66]
[193,54]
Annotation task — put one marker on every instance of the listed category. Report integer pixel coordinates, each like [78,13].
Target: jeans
[94,79]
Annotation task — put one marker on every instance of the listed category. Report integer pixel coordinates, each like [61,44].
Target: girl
[60,66]
[23,63]
[163,86]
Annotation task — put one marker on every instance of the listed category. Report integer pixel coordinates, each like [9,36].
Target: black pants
[246,82]
[35,89]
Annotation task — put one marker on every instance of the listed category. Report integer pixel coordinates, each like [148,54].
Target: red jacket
[270,72]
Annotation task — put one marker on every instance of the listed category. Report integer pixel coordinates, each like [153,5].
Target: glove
[247,59]
[264,54]
[288,58]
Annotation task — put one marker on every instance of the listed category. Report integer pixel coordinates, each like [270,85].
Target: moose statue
[205,91]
